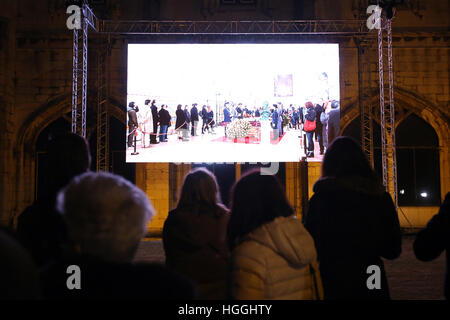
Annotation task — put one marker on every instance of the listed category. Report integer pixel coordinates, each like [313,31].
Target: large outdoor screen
[231,102]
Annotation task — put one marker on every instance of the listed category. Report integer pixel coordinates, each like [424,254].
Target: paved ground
[409,278]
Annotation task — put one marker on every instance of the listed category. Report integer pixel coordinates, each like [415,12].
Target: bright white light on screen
[424,194]
[212,74]
[243,72]
[402,191]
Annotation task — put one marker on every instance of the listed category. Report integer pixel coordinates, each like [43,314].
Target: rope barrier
[156,134]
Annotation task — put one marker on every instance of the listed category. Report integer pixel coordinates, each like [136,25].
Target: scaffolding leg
[387,111]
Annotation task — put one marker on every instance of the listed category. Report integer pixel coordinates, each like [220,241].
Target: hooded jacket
[354,223]
[273,262]
[195,245]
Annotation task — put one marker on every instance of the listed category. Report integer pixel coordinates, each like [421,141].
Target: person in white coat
[145,120]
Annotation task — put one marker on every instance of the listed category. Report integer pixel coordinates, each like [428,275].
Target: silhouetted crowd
[91,225]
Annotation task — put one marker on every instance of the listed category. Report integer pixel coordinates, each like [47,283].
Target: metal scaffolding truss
[298,27]
[102,105]
[367,59]
[79,104]
[387,109]
[332,28]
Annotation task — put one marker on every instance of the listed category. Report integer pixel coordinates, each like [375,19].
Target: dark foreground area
[409,278]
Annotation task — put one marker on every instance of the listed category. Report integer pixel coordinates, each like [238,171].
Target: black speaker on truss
[388,6]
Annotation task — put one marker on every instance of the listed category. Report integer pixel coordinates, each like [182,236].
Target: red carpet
[248,140]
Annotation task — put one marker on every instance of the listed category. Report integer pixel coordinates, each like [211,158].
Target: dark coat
[333,124]
[105,280]
[226,115]
[435,238]
[301,116]
[204,114]
[310,115]
[164,117]
[41,230]
[132,118]
[188,116]
[318,109]
[354,223]
[181,120]
[194,114]
[210,115]
[275,119]
[155,115]
[19,278]
[195,246]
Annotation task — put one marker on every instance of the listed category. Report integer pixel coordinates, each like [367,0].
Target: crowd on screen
[154,122]
[254,247]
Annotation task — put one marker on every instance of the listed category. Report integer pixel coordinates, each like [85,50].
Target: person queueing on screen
[296,119]
[164,119]
[319,127]
[310,116]
[188,119]
[204,115]
[210,120]
[334,117]
[239,111]
[132,122]
[155,123]
[194,119]
[233,112]
[257,112]
[145,120]
[276,122]
[226,116]
[181,123]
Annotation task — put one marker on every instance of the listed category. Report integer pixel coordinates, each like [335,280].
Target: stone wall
[36,78]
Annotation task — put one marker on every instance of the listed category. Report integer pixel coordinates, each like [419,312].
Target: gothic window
[417,163]
[418,173]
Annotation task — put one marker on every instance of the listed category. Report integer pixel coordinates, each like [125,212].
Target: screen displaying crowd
[231,102]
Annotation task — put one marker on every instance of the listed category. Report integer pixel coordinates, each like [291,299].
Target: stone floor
[409,278]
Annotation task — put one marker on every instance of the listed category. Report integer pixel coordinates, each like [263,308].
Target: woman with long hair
[273,256]
[194,234]
[354,223]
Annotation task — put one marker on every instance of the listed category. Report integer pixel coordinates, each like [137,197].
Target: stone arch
[428,111]
[26,138]
[116,110]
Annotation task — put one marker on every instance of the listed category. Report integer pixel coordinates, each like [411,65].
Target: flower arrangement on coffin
[239,129]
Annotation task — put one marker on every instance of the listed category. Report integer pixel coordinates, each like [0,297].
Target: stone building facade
[36,84]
